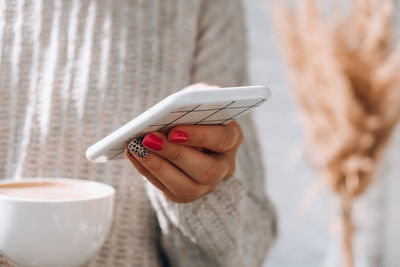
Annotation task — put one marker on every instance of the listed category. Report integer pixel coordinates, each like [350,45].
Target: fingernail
[153,141]
[178,136]
[136,146]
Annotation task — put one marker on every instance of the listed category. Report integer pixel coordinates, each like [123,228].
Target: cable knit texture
[74,70]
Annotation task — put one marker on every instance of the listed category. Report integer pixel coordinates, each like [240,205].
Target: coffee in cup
[58,190]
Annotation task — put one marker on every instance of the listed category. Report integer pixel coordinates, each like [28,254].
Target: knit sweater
[74,70]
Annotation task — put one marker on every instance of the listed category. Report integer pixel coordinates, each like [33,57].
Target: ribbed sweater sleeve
[235,225]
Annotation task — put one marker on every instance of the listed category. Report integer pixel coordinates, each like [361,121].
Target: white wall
[306,242]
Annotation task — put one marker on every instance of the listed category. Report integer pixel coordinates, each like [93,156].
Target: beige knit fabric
[74,70]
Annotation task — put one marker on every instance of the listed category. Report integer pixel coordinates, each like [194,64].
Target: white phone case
[201,105]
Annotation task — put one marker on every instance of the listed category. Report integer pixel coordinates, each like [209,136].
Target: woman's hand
[190,162]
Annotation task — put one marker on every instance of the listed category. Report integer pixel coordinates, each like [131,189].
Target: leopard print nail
[136,146]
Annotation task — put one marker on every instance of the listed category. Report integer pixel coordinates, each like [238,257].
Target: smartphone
[200,105]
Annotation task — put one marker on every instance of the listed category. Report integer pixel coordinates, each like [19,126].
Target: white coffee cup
[55,232]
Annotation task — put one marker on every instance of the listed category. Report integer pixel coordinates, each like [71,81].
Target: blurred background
[308,240]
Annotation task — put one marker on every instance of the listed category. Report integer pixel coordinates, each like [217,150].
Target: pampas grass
[345,73]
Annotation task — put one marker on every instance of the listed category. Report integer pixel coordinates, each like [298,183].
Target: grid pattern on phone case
[202,114]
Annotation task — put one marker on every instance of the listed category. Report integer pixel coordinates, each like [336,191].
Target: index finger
[217,138]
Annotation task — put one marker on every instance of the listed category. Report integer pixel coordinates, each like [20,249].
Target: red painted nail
[152,141]
[178,136]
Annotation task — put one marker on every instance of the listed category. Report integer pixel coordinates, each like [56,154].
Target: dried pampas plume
[345,75]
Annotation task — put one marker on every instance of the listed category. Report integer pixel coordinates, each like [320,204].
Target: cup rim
[109,190]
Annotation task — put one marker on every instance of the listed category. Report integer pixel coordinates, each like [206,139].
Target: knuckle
[154,164]
[237,135]
[176,155]
[224,142]
[189,194]
[210,174]
[229,138]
